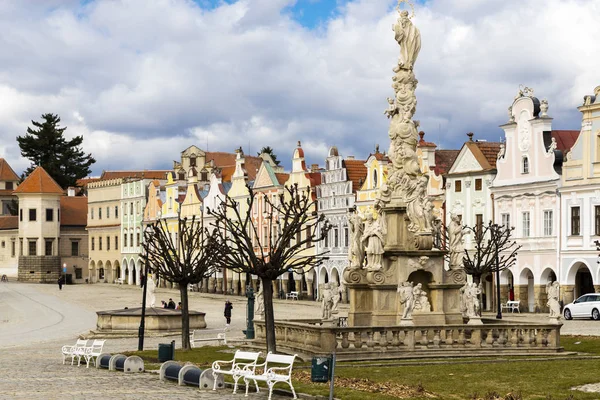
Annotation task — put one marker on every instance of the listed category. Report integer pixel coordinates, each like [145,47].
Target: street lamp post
[499,314]
[143,319]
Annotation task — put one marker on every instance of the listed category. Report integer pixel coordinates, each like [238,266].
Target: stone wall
[40,269]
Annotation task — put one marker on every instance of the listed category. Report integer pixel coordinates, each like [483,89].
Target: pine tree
[45,146]
[269,150]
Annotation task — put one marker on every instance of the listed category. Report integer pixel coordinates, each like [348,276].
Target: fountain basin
[157,319]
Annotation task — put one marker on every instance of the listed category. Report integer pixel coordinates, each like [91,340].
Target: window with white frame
[525,165]
[547,222]
[506,220]
[526,224]
[575,221]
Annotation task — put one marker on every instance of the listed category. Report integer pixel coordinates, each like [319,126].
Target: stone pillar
[521,294]
[235,285]
[254,284]
[229,287]
[566,293]
[298,280]
[274,285]
[311,289]
[541,299]
[243,284]
[211,285]
[220,289]
[597,288]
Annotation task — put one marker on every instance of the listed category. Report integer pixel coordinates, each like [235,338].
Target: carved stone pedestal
[373,295]
[475,321]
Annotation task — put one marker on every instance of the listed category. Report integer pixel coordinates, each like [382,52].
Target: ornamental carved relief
[524,133]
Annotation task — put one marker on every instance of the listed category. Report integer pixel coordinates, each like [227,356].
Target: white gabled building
[526,197]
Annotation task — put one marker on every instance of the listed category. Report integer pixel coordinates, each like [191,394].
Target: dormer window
[525,165]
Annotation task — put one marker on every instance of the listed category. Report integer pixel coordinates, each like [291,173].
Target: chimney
[314,167]
[71,191]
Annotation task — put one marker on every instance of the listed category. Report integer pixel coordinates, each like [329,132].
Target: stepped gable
[565,139]
[444,160]
[356,172]
[142,174]
[73,211]
[9,222]
[39,182]
[6,172]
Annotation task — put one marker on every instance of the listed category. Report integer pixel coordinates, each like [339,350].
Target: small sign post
[65,273]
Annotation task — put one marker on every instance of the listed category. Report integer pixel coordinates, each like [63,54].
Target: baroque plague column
[395,276]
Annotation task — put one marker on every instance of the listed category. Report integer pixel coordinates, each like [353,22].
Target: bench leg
[291,387]
[215,384]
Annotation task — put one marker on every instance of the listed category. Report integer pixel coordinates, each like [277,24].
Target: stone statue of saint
[437,233]
[406,299]
[470,306]
[392,109]
[553,292]
[409,38]
[373,241]
[416,193]
[356,253]
[456,247]
[420,299]
[336,293]
[327,302]
[259,301]
[150,293]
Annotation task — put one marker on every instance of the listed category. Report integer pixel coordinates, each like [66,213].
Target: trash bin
[166,351]
[320,369]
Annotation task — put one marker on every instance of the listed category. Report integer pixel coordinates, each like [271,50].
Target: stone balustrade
[311,337]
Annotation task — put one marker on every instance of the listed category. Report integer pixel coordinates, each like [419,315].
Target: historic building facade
[336,194]
[9,181]
[525,193]
[578,268]
[468,192]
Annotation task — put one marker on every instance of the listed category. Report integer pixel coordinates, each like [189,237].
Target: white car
[586,306]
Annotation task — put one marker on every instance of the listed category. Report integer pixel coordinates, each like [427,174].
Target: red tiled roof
[6,192]
[84,181]
[9,222]
[444,160]
[282,178]
[380,156]
[314,177]
[73,210]
[227,173]
[356,171]
[143,174]
[490,152]
[565,139]
[6,172]
[222,160]
[39,182]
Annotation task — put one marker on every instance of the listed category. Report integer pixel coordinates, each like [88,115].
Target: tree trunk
[185,318]
[269,315]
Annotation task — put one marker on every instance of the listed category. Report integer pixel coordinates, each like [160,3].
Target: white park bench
[243,362]
[272,374]
[195,338]
[512,305]
[119,281]
[91,353]
[291,295]
[72,351]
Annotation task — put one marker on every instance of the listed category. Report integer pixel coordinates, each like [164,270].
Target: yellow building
[377,171]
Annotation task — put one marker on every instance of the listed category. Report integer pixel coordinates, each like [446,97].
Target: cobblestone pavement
[36,320]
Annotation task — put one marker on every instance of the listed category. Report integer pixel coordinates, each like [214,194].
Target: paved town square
[36,320]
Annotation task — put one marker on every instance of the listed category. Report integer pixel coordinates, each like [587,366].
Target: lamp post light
[143,319]
[499,314]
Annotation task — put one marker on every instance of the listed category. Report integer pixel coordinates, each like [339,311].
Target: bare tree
[293,227]
[493,250]
[186,259]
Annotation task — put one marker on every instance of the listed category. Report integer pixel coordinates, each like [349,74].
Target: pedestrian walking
[60,282]
[227,313]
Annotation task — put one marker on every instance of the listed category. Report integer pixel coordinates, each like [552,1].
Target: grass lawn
[532,378]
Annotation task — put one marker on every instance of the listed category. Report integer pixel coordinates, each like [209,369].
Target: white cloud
[143,80]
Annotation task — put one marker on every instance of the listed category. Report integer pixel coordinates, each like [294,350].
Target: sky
[143,80]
